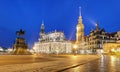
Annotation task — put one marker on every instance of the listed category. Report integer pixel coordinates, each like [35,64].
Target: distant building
[4,51]
[54,42]
[1,49]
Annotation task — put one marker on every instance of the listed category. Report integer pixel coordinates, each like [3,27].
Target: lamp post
[75,48]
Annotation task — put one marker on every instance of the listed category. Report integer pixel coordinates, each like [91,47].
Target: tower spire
[42,27]
[42,22]
[80,11]
[97,26]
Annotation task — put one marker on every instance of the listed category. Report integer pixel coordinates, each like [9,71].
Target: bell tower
[42,27]
[42,32]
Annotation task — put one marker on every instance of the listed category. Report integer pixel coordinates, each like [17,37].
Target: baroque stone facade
[113,47]
[98,37]
[53,42]
[53,47]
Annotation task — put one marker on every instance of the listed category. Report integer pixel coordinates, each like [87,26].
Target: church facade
[52,43]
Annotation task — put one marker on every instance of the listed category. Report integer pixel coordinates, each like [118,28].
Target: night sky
[61,15]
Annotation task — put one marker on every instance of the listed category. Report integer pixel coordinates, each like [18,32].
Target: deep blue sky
[61,15]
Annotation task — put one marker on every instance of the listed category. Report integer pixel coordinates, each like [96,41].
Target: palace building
[98,37]
[53,42]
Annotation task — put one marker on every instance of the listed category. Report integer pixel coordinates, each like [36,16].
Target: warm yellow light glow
[74,57]
[34,55]
[113,50]
[75,46]
[113,59]
[118,50]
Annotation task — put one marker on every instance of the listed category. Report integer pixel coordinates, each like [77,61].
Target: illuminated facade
[98,37]
[53,47]
[54,42]
[113,47]
[52,36]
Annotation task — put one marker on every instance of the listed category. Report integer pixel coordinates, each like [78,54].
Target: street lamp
[75,48]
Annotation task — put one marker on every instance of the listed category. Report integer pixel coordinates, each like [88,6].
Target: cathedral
[52,43]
